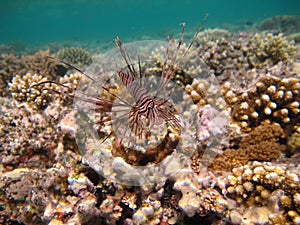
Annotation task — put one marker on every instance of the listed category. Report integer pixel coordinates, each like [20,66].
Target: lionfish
[147,111]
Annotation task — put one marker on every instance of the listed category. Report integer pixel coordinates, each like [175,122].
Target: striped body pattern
[145,106]
[149,110]
[130,128]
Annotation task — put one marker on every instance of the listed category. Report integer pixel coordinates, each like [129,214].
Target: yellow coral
[272,47]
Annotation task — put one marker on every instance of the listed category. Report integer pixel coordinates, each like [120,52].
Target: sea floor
[226,149]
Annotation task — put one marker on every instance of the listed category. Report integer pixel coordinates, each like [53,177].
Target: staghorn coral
[271,49]
[272,98]
[260,144]
[266,188]
[75,56]
[38,63]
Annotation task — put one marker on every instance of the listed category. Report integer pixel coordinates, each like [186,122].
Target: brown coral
[27,138]
[272,98]
[260,144]
[11,65]
[271,48]
[275,187]
[286,24]
[75,56]
[32,90]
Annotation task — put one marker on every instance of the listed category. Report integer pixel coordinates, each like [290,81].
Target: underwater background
[215,141]
[40,22]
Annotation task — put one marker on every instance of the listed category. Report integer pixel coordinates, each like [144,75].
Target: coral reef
[33,91]
[274,48]
[238,161]
[27,138]
[280,24]
[39,63]
[273,98]
[260,144]
[75,56]
[268,190]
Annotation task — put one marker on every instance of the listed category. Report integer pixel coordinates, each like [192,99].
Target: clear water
[41,22]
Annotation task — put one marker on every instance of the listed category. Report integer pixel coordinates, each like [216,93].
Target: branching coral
[211,35]
[272,98]
[75,56]
[225,55]
[190,66]
[260,144]
[31,90]
[21,90]
[271,48]
[273,187]
[39,63]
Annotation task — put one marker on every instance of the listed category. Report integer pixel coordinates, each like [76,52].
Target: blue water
[40,22]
